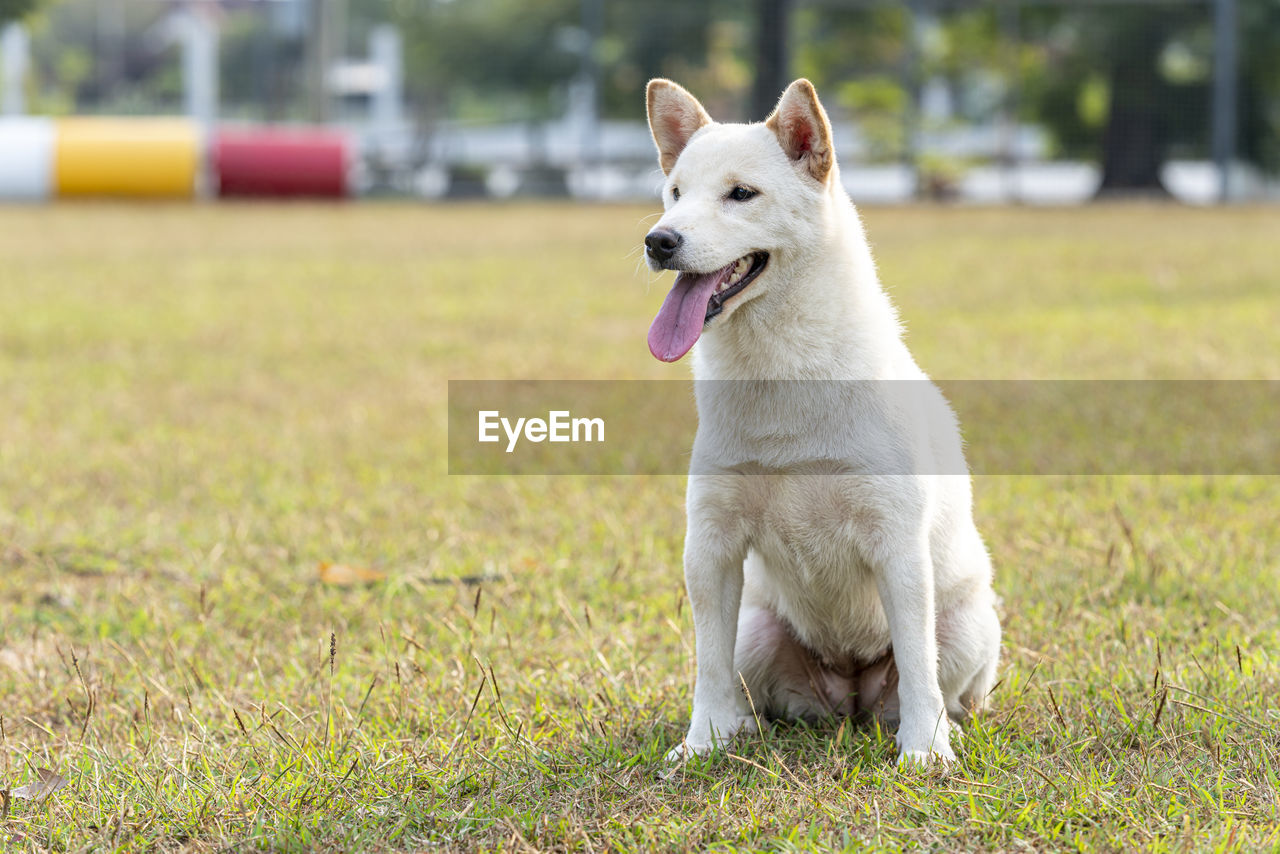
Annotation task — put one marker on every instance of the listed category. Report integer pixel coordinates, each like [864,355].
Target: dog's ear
[802,129]
[674,116]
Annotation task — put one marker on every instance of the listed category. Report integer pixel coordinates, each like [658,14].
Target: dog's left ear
[803,130]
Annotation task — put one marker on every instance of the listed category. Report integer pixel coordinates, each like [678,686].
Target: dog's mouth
[695,299]
[740,274]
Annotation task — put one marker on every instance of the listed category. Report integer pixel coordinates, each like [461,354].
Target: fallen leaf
[48,783]
[342,575]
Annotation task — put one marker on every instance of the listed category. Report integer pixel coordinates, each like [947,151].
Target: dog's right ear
[674,116]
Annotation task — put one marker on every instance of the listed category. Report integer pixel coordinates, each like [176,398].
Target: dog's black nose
[662,243]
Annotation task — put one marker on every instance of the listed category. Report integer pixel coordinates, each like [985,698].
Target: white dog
[831,557]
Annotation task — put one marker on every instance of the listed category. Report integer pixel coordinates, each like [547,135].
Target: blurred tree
[260,66]
[1260,84]
[508,59]
[1133,85]
[487,58]
[1107,87]
[88,56]
[1126,84]
[772,54]
[702,45]
[11,10]
[1143,102]
[858,58]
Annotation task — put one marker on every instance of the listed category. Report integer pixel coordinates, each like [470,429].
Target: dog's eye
[741,193]
[675,194]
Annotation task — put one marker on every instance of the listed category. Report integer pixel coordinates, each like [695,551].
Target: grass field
[200,406]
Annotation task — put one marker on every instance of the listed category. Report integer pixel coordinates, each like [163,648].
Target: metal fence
[1023,101]
[922,119]
[1042,101]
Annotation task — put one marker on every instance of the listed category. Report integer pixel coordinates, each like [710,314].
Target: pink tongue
[679,321]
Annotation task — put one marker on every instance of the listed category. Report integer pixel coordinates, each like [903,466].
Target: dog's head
[740,200]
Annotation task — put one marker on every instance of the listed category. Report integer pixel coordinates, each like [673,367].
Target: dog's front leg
[905,582]
[713,578]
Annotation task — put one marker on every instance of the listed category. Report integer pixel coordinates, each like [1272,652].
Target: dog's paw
[684,750]
[704,738]
[926,748]
[926,758]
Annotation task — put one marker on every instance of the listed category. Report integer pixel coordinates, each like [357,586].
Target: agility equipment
[281,162]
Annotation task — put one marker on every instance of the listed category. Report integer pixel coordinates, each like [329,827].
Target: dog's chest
[813,533]
[811,524]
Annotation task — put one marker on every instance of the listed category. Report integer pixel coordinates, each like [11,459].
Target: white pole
[1226,59]
[388,99]
[319,57]
[13,69]
[200,67]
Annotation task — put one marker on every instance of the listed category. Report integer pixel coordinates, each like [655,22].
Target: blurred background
[1033,101]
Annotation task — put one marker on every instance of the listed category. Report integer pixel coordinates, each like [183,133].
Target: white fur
[795,570]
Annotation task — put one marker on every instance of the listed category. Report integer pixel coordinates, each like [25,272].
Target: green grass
[200,405]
